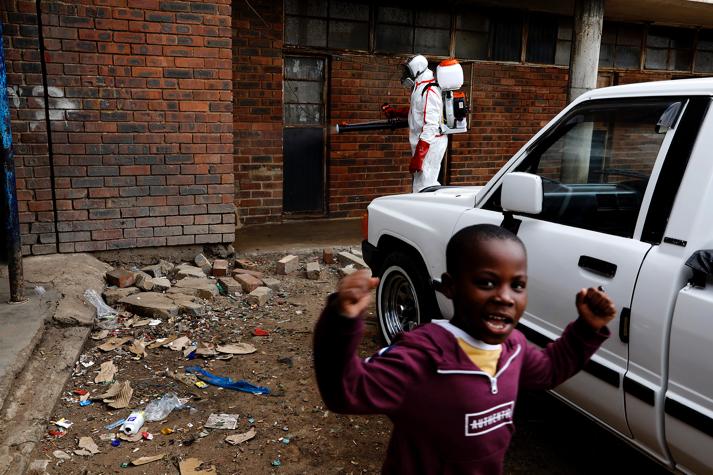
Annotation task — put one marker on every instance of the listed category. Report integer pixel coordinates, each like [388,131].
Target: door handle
[598,266]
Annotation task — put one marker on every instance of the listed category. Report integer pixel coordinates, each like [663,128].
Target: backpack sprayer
[449,79]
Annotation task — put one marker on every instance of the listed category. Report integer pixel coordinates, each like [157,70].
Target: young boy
[450,387]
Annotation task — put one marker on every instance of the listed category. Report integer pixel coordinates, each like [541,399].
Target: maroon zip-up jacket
[449,417]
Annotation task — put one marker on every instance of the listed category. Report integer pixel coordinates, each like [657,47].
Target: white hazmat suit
[424,119]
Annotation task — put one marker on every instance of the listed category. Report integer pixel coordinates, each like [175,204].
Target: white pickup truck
[617,191]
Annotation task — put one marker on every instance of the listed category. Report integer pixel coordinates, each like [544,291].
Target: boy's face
[489,292]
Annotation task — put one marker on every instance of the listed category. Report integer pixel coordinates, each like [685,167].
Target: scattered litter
[251,420]
[161,342]
[85,403]
[203,433]
[138,347]
[285,440]
[236,348]
[118,395]
[63,423]
[240,438]
[129,438]
[205,349]
[133,423]
[222,421]
[56,433]
[147,435]
[100,335]
[260,332]
[61,455]
[225,382]
[115,442]
[39,290]
[153,323]
[107,370]
[167,431]
[194,466]
[114,425]
[87,447]
[201,384]
[141,323]
[86,361]
[159,409]
[145,460]
[113,343]
[80,392]
[38,466]
[179,343]
[276,462]
[103,310]
[187,379]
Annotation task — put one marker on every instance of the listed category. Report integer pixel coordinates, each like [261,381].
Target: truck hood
[457,195]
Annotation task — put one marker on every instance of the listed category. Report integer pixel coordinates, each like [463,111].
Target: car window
[596,164]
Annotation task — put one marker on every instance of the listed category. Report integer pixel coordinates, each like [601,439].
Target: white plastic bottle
[133,423]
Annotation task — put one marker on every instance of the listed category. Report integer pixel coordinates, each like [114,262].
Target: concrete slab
[30,404]
[22,327]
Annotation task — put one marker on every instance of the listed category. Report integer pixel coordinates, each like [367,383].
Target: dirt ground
[293,428]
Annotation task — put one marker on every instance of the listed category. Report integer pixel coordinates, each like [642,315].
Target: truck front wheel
[404,298]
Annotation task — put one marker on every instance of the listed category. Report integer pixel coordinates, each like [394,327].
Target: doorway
[304,136]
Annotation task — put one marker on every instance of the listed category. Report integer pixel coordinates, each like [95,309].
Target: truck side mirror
[521,193]
[701,263]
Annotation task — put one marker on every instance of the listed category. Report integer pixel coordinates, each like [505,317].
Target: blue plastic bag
[225,382]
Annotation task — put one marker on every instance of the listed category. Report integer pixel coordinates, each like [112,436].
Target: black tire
[404,297]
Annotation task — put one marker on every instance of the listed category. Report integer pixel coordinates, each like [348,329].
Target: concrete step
[34,394]
[23,325]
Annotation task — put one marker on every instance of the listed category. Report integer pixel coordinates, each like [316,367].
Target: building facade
[171,122]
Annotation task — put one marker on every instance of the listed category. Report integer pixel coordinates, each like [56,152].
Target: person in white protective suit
[428,145]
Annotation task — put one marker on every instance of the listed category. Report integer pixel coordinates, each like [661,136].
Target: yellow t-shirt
[486,360]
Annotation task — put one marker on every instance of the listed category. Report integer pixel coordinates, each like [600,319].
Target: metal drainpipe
[14,244]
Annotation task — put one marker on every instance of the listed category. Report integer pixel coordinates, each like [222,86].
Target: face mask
[406,79]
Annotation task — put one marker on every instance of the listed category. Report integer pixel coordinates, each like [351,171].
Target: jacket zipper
[493,379]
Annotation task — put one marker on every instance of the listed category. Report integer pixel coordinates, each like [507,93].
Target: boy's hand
[595,307]
[354,293]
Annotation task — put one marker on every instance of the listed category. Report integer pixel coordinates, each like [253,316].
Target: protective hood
[412,69]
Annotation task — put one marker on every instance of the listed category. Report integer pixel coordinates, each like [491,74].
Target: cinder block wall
[140,106]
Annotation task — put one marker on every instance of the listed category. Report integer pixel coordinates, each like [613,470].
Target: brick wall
[141,123]
[257,68]
[365,165]
[24,80]
[510,103]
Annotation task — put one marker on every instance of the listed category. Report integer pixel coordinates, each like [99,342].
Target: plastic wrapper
[226,382]
[103,310]
[159,409]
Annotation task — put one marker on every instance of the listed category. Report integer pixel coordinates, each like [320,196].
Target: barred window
[621,46]
[669,48]
[493,35]
[404,30]
[472,36]
[704,52]
[322,23]
[549,39]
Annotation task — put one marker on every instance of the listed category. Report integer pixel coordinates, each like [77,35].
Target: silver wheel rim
[398,305]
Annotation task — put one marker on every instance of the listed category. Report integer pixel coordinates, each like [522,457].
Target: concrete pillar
[584,60]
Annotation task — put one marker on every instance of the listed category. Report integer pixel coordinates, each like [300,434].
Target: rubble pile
[204,367]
